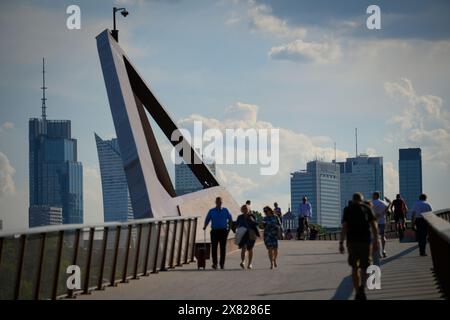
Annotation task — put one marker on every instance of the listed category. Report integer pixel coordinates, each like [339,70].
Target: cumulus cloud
[262,19]
[7,185]
[6,126]
[295,149]
[391,186]
[423,122]
[93,201]
[303,51]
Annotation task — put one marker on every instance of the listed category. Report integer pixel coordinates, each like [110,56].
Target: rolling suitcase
[202,253]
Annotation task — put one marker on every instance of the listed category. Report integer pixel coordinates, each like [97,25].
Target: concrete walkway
[306,270]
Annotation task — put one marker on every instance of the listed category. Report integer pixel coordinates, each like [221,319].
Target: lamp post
[115,32]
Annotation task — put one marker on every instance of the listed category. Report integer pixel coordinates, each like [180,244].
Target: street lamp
[115,32]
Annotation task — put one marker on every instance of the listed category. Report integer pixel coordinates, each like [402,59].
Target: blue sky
[310,68]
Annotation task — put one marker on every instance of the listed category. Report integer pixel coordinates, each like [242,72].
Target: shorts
[398,217]
[381,228]
[359,254]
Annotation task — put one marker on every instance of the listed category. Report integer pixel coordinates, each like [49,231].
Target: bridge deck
[307,270]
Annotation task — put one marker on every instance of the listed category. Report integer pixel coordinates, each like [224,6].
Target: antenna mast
[44,107]
[356,140]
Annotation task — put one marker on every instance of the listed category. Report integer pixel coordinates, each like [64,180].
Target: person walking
[272,225]
[357,222]
[400,210]
[419,208]
[221,222]
[248,221]
[380,208]
[305,214]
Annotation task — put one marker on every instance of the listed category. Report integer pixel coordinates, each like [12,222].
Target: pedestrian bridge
[154,259]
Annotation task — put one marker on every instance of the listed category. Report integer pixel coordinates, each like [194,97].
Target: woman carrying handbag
[246,221]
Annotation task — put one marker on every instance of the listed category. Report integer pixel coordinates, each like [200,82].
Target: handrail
[439,238]
[98,226]
[34,263]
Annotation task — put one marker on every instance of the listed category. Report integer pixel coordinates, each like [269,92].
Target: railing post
[1,250]
[76,247]
[186,249]
[193,242]
[41,262]
[166,243]
[138,251]
[174,239]
[116,252]
[58,264]
[127,253]
[147,250]
[102,263]
[23,239]
[155,263]
[89,259]
[180,245]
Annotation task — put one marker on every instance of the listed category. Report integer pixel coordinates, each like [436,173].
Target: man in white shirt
[305,214]
[418,209]
[380,209]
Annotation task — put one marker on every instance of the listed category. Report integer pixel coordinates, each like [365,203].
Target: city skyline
[259,72]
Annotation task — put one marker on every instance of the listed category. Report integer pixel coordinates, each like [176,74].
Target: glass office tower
[116,196]
[410,174]
[55,175]
[321,184]
[361,174]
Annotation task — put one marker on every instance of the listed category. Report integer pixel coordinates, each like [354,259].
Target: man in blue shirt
[221,221]
[418,209]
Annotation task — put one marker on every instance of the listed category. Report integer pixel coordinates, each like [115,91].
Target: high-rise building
[116,196]
[362,174]
[320,182]
[55,175]
[410,174]
[45,216]
[186,181]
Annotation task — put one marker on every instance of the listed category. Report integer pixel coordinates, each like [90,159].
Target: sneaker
[222,267]
[214,266]
[384,254]
[249,266]
[423,254]
[242,265]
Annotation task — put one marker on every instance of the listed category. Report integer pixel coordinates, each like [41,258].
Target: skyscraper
[361,174]
[55,175]
[116,197]
[186,181]
[321,184]
[410,174]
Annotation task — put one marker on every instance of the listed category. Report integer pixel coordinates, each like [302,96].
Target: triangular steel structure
[151,190]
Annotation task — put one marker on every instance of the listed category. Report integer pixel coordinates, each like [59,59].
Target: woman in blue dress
[248,221]
[272,226]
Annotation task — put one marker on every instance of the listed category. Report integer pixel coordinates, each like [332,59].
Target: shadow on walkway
[345,288]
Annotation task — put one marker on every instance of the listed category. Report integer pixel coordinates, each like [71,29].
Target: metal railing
[439,238]
[33,264]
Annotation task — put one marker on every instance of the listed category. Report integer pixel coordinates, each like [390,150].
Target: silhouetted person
[248,203]
[418,209]
[221,222]
[358,220]
[400,209]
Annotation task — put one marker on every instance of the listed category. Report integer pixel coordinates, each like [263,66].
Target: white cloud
[6,126]
[235,183]
[7,185]
[303,51]
[295,150]
[391,186]
[261,19]
[93,201]
[423,122]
